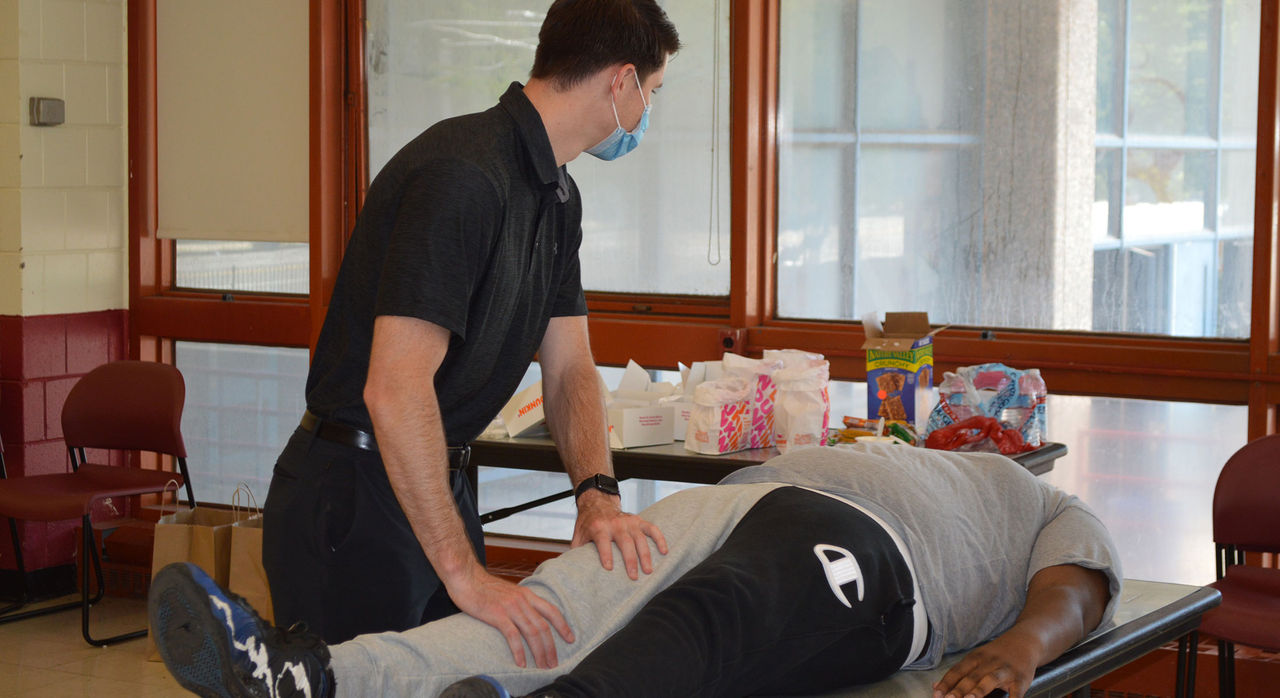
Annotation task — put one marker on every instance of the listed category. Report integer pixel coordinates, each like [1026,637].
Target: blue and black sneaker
[481,686]
[214,643]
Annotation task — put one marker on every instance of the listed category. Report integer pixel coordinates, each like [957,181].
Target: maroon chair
[1246,519]
[127,405]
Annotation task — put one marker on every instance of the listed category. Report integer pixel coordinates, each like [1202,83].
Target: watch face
[606,484]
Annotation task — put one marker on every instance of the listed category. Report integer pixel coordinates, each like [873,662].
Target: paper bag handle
[163,491]
[251,502]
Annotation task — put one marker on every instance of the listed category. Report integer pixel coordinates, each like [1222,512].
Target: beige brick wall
[63,188]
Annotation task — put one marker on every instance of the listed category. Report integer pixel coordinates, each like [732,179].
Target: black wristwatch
[604,483]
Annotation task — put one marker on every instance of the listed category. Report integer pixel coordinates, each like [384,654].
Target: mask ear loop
[636,75]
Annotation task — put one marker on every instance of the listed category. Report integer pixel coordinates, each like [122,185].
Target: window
[243,403]
[1177,106]
[655,221]
[236,265]
[936,156]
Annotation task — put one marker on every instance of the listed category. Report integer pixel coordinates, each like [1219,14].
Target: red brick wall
[41,357]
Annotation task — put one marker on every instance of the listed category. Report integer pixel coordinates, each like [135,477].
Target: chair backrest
[1246,500]
[130,405]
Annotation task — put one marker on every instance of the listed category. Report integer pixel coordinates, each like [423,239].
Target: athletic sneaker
[216,645]
[481,686]
[476,687]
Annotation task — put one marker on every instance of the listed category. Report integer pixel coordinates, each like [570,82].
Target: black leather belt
[459,456]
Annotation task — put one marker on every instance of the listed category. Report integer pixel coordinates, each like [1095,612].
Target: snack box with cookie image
[899,366]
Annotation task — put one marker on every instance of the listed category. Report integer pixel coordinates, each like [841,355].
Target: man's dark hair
[581,37]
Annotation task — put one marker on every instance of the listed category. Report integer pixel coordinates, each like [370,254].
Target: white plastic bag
[803,409]
[721,418]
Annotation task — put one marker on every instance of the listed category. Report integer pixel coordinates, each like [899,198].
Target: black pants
[759,616]
[338,551]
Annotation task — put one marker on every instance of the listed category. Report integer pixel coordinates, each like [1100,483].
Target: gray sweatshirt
[978,526]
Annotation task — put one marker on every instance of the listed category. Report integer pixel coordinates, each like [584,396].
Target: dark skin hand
[1064,604]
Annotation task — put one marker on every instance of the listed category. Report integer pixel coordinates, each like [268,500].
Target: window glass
[656,220]
[1106,200]
[230,265]
[1173,52]
[1110,65]
[1240,70]
[941,156]
[1166,193]
[243,403]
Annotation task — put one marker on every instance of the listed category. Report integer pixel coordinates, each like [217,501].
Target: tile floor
[47,657]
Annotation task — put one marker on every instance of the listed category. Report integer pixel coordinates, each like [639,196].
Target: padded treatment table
[672,462]
[1150,614]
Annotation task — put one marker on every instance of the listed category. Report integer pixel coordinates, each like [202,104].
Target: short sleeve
[570,299]
[441,236]
[1073,535]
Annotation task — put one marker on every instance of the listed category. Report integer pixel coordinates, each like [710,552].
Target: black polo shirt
[471,226]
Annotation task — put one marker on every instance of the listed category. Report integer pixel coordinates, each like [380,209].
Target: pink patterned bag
[721,418]
[758,375]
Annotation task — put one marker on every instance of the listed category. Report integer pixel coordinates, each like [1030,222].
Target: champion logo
[531,406]
[840,570]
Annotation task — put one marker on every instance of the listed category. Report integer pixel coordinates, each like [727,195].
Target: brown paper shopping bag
[246,575]
[201,536]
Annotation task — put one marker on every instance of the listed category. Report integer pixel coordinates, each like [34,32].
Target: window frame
[693,328]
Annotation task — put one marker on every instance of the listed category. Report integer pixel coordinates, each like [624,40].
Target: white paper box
[640,426]
[683,408]
[524,410]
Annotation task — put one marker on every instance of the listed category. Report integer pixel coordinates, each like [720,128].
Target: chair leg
[7,614]
[1185,680]
[23,599]
[1226,669]
[91,553]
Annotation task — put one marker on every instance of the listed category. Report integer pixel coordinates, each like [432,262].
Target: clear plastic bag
[1014,398]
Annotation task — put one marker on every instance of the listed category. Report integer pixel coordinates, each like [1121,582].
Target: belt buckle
[460,457]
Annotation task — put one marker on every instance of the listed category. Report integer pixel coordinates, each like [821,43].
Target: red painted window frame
[623,326]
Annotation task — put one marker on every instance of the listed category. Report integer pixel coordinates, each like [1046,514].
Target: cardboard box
[636,415]
[523,412]
[683,408]
[648,425]
[899,367]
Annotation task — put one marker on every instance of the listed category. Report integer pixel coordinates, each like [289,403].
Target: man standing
[463,264]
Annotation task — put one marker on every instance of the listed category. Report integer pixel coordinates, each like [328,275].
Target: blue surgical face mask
[621,142]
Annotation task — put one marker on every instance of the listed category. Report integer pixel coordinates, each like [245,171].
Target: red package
[977,433]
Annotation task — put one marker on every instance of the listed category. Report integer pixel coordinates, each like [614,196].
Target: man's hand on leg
[519,614]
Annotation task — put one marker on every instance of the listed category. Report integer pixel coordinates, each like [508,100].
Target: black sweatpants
[337,548]
[759,616]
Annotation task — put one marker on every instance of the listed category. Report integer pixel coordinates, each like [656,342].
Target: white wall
[63,188]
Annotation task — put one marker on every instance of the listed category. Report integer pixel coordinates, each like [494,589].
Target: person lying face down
[819,569]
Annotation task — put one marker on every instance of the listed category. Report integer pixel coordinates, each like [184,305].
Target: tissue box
[524,410]
[899,367]
[650,425]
